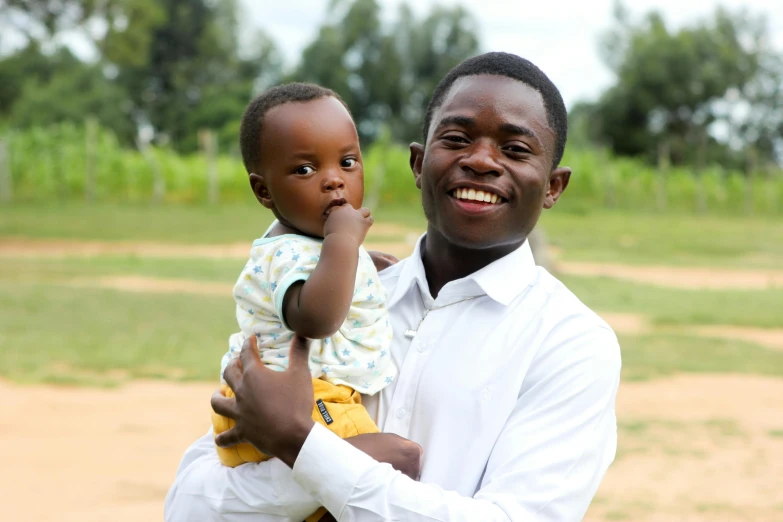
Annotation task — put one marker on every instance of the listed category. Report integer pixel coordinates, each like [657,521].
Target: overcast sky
[560,36]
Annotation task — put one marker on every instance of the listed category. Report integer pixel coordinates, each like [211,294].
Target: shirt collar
[502,280]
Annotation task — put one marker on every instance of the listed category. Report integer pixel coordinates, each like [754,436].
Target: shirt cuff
[289,493]
[329,468]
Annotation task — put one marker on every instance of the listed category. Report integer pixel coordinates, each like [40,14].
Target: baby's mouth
[334,203]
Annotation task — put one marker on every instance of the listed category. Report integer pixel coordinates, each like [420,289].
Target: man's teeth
[475,195]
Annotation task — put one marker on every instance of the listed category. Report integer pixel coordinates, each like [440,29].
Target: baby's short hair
[253,118]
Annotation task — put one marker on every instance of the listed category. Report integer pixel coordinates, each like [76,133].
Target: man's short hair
[253,119]
[517,68]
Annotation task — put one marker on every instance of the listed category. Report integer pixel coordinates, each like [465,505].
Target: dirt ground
[691,448]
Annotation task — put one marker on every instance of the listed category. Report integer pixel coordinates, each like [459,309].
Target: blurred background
[125,218]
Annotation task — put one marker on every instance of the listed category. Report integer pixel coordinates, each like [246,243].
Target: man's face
[489,140]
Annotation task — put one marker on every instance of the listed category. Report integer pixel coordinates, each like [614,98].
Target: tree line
[710,92]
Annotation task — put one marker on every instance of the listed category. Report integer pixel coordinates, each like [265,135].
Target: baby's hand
[347,220]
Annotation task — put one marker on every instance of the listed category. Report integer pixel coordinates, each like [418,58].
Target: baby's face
[311,162]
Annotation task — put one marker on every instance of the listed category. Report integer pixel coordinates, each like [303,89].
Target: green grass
[55,333]
[61,334]
[670,306]
[643,238]
[653,356]
[199,224]
[662,306]
[57,270]
[606,236]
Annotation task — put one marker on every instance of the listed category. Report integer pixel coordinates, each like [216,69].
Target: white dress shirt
[511,395]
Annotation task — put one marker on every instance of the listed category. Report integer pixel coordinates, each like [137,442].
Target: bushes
[53,164]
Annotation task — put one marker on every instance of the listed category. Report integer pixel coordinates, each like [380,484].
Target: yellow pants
[337,407]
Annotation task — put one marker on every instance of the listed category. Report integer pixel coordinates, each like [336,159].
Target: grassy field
[100,335]
[699,436]
[742,242]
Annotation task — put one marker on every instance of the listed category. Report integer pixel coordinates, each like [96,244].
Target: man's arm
[545,466]
[205,490]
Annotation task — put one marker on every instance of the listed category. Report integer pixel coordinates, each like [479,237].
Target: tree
[41,20]
[686,87]
[386,74]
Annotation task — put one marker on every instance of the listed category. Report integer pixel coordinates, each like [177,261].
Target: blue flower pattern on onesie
[355,356]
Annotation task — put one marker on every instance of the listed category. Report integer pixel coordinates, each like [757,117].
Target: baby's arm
[317,307]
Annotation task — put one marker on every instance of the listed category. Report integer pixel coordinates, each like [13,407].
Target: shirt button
[421,347]
[401,413]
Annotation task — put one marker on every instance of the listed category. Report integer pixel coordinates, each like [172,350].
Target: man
[506,381]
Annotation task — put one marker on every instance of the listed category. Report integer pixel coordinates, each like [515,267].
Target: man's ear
[261,191]
[417,158]
[558,181]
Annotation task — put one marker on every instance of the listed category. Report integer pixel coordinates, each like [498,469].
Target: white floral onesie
[357,355]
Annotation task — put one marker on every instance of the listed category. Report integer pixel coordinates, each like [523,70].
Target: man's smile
[477,198]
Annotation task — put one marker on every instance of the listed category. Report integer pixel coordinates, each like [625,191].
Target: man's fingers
[228,438]
[365,212]
[225,406]
[299,354]
[249,355]
[233,373]
[382,260]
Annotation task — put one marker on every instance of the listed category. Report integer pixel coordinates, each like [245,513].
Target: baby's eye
[348,163]
[304,170]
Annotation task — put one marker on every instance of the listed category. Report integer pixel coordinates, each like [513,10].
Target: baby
[309,273]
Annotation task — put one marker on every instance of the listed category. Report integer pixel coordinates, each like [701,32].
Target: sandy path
[692,448]
[697,448]
[637,324]
[87,455]
[667,276]
[25,248]
[679,277]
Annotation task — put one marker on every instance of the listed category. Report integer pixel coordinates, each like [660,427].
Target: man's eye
[516,149]
[455,139]
[304,170]
[349,163]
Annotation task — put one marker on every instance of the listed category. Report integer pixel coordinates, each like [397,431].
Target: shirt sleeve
[205,490]
[546,465]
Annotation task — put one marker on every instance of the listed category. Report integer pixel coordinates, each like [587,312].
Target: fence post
[158,182]
[209,146]
[664,161]
[91,135]
[384,142]
[771,190]
[6,182]
[701,160]
[751,166]
[610,179]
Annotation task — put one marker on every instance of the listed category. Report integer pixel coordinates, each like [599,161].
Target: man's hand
[272,410]
[382,260]
[403,454]
[347,220]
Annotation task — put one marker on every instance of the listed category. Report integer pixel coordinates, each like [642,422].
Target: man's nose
[482,159]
